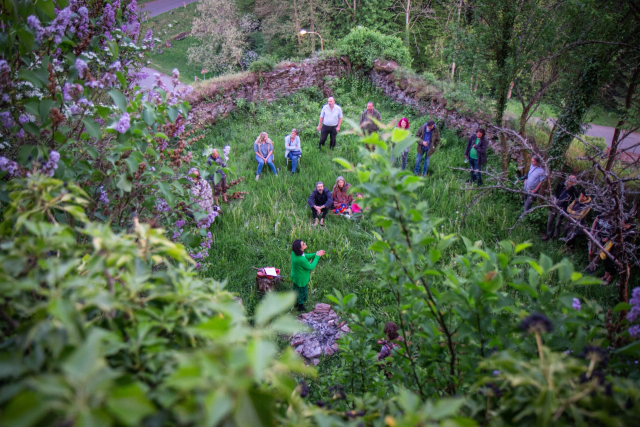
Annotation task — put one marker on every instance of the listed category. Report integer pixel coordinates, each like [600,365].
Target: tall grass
[259,230]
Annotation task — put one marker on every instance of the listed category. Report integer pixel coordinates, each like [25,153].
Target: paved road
[149,82]
[606,132]
[157,7]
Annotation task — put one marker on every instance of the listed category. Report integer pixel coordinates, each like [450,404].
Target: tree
[222,38]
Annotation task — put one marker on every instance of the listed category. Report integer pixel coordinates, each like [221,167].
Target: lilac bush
[634,313]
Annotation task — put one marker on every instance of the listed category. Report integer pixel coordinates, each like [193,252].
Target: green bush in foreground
[363,46]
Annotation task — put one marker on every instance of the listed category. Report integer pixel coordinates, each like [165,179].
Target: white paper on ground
[270,271]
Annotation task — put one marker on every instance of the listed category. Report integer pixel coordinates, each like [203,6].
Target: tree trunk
[295,15]
[510,90]
[453,65]
[407,14]
[613,152]
[313,40]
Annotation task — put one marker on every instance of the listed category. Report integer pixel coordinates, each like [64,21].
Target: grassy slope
[258,231]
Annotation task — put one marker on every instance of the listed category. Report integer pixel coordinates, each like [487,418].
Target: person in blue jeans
[292,149]
[263,148]
[428,140]
[476,154]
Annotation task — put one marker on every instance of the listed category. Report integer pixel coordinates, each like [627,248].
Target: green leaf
[123,81]
[130,404]
[27,39]
[632,349]
[30,76]
[93,127]
[124,183]
[119,99]
[132,163]
[167,193]
[345,163]
[149,115]
[522,246]
[272,305]
[217,406]
[172,112]
[622,306]
[45,108]
[24,410]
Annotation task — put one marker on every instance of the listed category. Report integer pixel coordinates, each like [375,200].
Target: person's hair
[482,131]
[572,178]
[296,247]
[537,159]
[341,178]
[391,330]
[431,123]
[369,103]
[331,97]
[318,183]
[404,119]
[294,130]
[262,137]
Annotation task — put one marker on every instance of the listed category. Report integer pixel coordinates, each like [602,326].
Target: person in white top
[292,149]
[330,121]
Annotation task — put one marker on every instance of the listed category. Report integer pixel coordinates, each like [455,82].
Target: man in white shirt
[533,182]
[330,121]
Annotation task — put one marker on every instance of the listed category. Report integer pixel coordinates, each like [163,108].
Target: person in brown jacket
[367,124]
[428,141]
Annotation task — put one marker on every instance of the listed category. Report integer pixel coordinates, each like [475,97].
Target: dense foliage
[363,46]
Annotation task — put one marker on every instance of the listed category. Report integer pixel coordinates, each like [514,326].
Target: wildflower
[496,373]
[595,354]
[124,123]
[4,66]
[634,331]
[7,119]
[176,73]
[576,304]
[49,168]
[536,322]
[9,166]
[81,66]
[103,196]
[162,205]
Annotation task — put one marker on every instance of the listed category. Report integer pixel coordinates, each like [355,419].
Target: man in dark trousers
[476,155]
[330,121]
[428,140]
[367,123]
[320,202]
[565,194]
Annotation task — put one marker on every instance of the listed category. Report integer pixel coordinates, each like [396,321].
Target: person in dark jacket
[428,140]
[320,202]
[565,194]
[476,154]
[221,187]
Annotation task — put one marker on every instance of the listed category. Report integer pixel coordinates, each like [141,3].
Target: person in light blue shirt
[292,149]
[263,148]
[330,121]
[534,181]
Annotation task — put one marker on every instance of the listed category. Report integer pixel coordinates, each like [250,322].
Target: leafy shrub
[363,46]
[263,65]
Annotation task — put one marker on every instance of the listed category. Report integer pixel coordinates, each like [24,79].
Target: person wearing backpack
[428,140]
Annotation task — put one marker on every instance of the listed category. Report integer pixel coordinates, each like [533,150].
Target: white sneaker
[257,176]
[347,216]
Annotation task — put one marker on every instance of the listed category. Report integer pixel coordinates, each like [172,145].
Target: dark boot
[300,307]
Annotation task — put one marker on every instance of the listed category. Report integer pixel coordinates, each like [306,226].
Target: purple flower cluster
[162,205]
[7,119]
[225,152]
[69,90]
[176,234]
[576,304]
[108,21]
[124,123]
[162,145]
[131,12]
[65,20]
[81,66]
[103,196]
[148,40]
[634,313]
[9,166]
[206,222]
[49,168]
[4,66]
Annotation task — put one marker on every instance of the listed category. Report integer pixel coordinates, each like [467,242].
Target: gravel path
[158,7]
[606,132]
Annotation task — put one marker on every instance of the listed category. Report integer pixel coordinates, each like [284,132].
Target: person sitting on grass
[221,187]
[263,148]
[320,201]
[393,338]
[342,200]
[301,267]
[292,149]
[578,211]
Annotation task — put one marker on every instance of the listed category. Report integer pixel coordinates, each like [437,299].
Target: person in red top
[403,124]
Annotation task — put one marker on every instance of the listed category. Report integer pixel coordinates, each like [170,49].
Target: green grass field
[259,230]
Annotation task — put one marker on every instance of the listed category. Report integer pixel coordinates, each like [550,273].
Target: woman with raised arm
[301,267]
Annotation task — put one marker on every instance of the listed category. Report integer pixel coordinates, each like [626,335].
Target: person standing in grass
[534,181]
[263,148]
[428,140]
[476,154]
[330,121]
[301,267]
[221,187]
[367,123]
[292,149]
[403,124]
[320,201]
[564,195]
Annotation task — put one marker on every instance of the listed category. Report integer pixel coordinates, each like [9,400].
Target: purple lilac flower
[66,91]
[24,118]
[81,66]
[82,22]
[162,145]
[108,21]
[85,102]
[206,222]
[135,31]
[7,119]
[124,123]
[34,23]
[175,73]
[162,205]
[180,223]
[9,166]
[49,168]
[20,133]
[225,152]
[103,196]
[116,66]
[6,97]
[4,66]
[75,109]
[634,331]
[148,40]
[576,304]
[131,12]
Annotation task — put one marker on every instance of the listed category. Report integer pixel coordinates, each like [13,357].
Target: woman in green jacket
[301,266]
